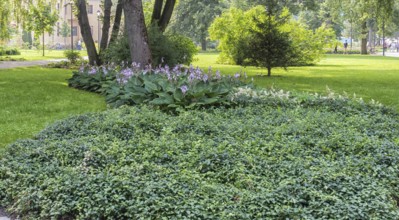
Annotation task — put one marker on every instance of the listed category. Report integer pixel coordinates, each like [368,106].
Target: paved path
[14,64]
[389,54]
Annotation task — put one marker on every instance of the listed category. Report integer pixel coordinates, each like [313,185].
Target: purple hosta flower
[218,75]
[237,75]
[191,77]
[127,73]
[92,71]
[169,76]
[147,69]
[191,69]
[184,89]
[205,77]
[105,70]
[176,68]
[121,80]
[82,69]
[136,66]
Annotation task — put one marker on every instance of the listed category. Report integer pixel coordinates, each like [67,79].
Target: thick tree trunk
[157,11]
[106,24]
[203,43]
[86,33]
[364,38]
[117,22]
[137,32]
[166,14]
[161,17]
[269,71]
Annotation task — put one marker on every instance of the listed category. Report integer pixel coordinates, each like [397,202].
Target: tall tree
[106,24]
[86,32]
[5,13]
[162,13]
[137,32]
[117,21]
[41,20]
[361,11]
[193,18]
[65,31]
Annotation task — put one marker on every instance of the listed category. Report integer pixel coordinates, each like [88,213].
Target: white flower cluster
[259,94]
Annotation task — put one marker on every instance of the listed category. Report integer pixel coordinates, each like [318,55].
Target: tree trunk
[106,24]
[117,22]
[203,43]
[364,38]
[157,12]
[269,71]
[86,33]
[137,32]
[43,43]
[166,14]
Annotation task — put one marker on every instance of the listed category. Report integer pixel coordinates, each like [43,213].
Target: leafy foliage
[193,18]
[170,89]
[282,156]
[9,51]
[173,49]
[72,56]
[234,30]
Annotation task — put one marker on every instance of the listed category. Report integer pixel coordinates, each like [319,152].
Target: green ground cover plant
[369,77]
[277,156]
[32,98]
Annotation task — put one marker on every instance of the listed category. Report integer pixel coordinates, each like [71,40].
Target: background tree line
[144,24]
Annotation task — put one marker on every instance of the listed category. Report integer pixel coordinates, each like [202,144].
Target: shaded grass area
[369,77]
[32,98]
[31,55]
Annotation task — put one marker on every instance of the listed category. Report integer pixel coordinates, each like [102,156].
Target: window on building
[58,29]
[58,6]
[90,9]
[75,31]
[66,9]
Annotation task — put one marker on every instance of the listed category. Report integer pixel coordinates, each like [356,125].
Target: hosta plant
[168,88]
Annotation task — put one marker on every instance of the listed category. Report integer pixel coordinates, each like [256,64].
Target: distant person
[393,47]
[79,44]
[346,47]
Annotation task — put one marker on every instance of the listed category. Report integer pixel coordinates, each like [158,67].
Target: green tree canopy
[40,20]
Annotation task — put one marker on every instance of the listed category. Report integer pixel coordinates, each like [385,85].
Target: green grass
[32,98]
[31,55]
[369,77]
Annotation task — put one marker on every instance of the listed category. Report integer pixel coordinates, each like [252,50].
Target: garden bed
[274,156]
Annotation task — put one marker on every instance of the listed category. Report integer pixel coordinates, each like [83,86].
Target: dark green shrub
[169,49]
[117,51]
[282,156]
[9,51]
[72,56]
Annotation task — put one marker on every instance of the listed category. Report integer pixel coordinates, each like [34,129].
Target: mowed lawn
[32,98]
[369,77]
[32,55]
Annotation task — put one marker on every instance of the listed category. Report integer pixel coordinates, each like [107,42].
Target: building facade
[58,39]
